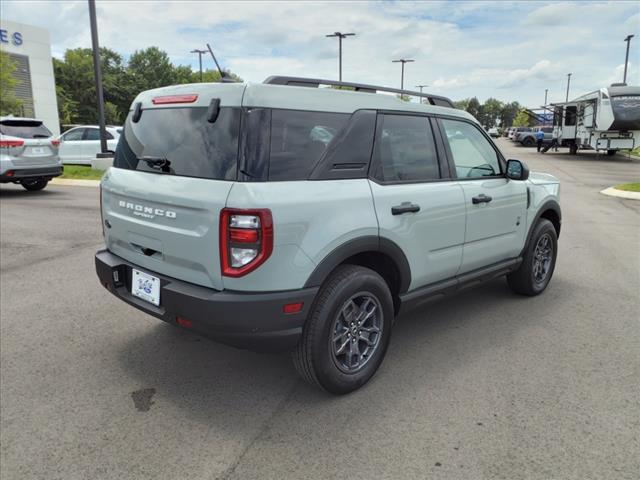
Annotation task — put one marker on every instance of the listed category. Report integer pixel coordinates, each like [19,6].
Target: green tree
[150,68]
[521,120]
[473,107]
[461,104]
[77,97]
[490,112]
[508,114]
[9,104]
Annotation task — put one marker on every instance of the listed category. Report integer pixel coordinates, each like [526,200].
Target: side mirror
[517,170]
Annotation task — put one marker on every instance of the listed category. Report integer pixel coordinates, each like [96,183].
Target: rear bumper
[254,321]
[17,174]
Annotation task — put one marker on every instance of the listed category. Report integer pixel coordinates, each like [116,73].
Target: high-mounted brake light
[174,99]
[11,143]
[246,240]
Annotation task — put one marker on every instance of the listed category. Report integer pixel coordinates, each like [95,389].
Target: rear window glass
[180,141]
[298,139]
[22,129]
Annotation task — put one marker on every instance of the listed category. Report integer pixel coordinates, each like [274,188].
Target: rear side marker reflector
[183,322]
[293,307]
[174,99]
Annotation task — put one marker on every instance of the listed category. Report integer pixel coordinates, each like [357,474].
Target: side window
[405,150]
[94,134]
[570,120]
[73,135]
[298,139]
[473,155]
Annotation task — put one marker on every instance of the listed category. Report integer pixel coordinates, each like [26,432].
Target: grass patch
[629,187]
[81,172]
[636,152]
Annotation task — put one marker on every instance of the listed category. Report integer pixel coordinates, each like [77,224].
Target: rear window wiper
[158,163]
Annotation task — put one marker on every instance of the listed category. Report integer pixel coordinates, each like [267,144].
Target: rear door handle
[482,198]
[405,207]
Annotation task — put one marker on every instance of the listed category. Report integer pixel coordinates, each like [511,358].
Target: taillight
[55,143]
[167,99]
[11,143]
[246,240]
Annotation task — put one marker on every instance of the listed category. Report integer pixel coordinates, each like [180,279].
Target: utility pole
[421,87]
[340,36]
[568,83]
[402,61]
[199,52]
[97,72]
[626,59]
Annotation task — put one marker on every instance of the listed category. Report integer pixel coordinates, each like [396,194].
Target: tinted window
[472,153]
[94,134]
[298,139]
[193,146]
[24,129]
[73,135]
[405,150]
[626,111]
[570,118]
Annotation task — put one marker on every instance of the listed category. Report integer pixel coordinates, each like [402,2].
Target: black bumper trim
[24,173]
[254,321]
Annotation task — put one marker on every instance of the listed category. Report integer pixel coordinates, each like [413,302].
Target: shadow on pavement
[214,384]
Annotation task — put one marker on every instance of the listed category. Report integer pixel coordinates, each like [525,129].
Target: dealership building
[30,49]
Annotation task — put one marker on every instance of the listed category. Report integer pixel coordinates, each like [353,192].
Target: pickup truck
[528,139]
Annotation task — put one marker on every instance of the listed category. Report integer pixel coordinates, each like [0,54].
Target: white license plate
[37,150]
[145,286]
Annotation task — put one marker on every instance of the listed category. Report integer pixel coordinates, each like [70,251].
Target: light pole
[546,90]
[340,36]
[626,59]
[568,83]
[199,52]
[402,61]
[421,87]
[97,72]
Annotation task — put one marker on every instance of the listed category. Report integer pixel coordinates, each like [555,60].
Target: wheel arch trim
[370,243]
[546,206]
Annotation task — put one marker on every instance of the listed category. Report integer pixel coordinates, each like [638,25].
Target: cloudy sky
[508,50]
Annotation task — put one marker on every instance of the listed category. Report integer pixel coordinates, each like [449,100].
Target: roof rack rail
[358,87]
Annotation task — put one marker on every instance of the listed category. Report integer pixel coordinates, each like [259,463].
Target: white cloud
[508,50]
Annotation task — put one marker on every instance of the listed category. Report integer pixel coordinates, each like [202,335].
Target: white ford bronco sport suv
[276,216]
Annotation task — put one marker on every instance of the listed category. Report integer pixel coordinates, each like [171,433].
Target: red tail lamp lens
[246,240]
[11,143]
[183,322]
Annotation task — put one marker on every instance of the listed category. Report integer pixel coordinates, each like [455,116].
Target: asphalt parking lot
[479,386]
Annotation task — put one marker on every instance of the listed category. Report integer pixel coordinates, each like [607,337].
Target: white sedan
[81,144]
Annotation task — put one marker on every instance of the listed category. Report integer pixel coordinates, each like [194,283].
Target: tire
[611,153]
[34,185]
[573,149]
[528,142]
[529,279]
[349,293]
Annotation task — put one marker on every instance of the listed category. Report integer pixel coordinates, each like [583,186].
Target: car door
[91,143]
[70,150]
[417,205]
[496,206]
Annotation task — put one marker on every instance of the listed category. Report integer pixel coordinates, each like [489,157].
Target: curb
[614,192]
[70,182]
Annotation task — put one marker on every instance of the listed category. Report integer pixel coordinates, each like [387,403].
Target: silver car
[28,153]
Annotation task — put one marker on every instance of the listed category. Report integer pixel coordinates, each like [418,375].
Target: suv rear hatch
[28,142]
[173,170]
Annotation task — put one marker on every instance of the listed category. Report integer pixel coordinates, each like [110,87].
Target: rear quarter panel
[310,218]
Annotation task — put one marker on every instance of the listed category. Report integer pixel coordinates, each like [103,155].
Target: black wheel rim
[356,332]
[542,258]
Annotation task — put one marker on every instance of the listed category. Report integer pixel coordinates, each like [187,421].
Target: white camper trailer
[607,119]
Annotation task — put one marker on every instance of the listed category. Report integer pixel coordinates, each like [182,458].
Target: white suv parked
[81,144]
[278,216]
